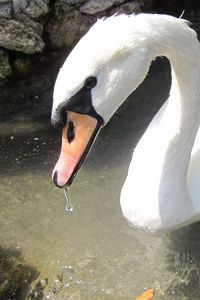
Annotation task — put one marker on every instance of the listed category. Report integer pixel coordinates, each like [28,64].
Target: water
[90,253]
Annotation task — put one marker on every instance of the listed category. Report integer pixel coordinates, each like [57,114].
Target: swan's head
[107,64]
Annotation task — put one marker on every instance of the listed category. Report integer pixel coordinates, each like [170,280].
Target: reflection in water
[92,253]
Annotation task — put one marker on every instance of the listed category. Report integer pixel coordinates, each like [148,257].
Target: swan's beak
[77,138]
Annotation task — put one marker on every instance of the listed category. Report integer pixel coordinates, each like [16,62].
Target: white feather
[161,191]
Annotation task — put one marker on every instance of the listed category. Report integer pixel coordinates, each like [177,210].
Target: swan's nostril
[70,132]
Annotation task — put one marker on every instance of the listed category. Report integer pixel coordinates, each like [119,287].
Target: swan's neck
[159,198]
[181,119]
[179,123]
[175,135]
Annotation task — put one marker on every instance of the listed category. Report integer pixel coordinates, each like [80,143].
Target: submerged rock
[15,275]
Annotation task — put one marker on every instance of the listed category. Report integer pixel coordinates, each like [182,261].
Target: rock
[61,8]
[17,36]
[146,3]
[15,275]
[70,27]
[5,9]
[37,9]
[5,68]
[36,292]
[19,5]
[37,27]
[74,2]
[32,8]
[127,8]
[93,7]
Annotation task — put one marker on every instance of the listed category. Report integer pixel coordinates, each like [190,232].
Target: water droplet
[68,207]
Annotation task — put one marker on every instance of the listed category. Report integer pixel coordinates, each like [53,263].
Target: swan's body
[161,191]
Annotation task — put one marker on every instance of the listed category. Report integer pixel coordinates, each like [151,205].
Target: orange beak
[77,138]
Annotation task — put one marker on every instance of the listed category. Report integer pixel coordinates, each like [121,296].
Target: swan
[162,190]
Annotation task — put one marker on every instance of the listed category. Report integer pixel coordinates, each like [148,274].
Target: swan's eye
[90,82]
[70,132]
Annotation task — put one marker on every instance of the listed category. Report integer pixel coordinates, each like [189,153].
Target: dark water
[91,253]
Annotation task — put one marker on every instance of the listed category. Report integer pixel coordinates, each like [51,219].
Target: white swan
[162,189]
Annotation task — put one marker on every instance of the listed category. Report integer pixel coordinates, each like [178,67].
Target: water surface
[91,253]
